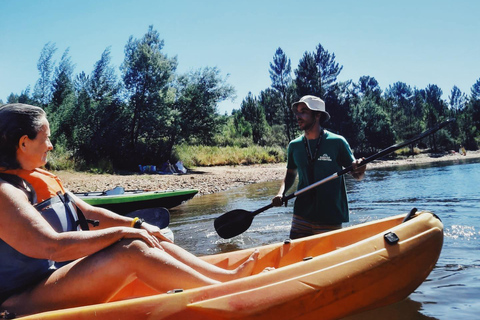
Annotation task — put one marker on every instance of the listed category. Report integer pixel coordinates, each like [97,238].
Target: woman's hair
[17,120]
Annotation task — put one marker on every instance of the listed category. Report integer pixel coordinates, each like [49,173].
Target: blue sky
[416,42]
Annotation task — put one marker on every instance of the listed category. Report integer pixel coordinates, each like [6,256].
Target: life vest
[47,194]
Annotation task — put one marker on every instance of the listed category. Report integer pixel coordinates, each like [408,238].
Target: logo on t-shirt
[325,157]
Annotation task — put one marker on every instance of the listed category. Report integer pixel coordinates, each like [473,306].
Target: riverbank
[219,178]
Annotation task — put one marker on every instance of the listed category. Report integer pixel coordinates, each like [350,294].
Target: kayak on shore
[326,276]
[122,202]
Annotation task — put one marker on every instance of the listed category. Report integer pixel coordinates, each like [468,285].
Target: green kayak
[122,202]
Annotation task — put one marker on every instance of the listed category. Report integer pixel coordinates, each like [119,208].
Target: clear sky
[419,42]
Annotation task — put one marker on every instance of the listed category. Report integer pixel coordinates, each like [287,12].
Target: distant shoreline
[220,178]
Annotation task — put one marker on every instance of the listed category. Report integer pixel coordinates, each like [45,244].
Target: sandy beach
[215,179]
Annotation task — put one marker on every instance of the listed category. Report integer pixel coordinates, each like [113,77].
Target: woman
[46,263]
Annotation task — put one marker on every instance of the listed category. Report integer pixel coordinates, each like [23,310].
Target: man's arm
[286,185]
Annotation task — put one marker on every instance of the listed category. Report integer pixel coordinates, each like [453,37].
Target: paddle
[235,222]
[159,217]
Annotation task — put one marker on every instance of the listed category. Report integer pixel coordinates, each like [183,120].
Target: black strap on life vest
[82,221]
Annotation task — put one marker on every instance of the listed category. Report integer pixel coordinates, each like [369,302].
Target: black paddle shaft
[238,221]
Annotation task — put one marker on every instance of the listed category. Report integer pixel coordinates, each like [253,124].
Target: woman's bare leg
[97,278]
[211,271]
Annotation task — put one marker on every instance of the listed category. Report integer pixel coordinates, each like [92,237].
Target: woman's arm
[24,229]
[106,217]
[109,219]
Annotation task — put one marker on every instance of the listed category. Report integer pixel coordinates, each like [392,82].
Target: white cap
[313,103]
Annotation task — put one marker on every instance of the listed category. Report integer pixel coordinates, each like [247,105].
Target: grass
[407,151]
[193,156]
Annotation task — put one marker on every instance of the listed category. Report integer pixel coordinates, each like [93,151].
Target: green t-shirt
[327,203]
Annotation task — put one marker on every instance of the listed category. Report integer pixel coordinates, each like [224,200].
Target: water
[451,190]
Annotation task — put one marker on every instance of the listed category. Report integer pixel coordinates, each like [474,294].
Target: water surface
[450,190]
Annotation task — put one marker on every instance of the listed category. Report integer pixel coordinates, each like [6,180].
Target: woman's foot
[246,268]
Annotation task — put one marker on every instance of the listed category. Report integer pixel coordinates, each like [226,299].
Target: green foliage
[43,88]
[328,68]
[60,158]
[374,125]
[62,82]
[407,151]
[277,103]
[254,114]
[475,91]
[101,122]
[308,80]
[147,75]
[273,105]
[200,155]
[197,97]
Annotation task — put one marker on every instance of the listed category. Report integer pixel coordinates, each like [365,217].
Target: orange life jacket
[46,184]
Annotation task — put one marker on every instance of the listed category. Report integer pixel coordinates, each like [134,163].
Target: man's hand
[278,200]
[358,170]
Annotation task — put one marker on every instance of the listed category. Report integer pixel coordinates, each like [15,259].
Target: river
[450,190]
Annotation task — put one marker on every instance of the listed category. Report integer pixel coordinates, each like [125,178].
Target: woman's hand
[155,231]
[142,234]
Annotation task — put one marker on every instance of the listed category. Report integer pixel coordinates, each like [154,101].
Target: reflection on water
[403,310]
[451,191]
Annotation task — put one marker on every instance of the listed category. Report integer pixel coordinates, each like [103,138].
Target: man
[314,156]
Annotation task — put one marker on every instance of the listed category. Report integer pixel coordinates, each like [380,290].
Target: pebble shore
[216,179]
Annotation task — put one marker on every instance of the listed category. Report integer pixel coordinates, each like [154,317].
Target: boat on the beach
[122,202]
[327,276]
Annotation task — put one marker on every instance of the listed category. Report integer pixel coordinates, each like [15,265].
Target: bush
[215,156]
[407,151]
[60,159]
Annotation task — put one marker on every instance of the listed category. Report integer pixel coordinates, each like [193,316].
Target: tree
[271,101]
[368,87]
[375,129]
[147,75]
[457,99]
[198,95]
[471,118]
[243,128]
[255,115]
[43,88]
[103,80]
[100,114]
[62,83]
[328,69]
[308,81]
[61,109]
[475,91]
[405,110]
[436,110]
[280,74]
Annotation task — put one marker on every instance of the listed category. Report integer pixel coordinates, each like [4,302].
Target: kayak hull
[135,200]
[327,276]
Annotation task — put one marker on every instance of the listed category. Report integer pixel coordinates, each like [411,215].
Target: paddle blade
[159,217]
[233,223]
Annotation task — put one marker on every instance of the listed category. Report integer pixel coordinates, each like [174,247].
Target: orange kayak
[327,276]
